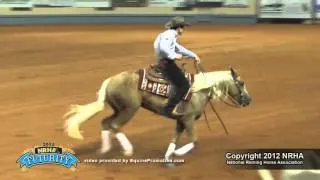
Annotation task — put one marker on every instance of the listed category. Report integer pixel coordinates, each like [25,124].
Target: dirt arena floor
[44,69]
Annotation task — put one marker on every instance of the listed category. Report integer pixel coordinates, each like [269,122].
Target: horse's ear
[233,72]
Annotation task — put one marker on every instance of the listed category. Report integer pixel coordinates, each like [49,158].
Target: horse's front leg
[189,124]
[180,127]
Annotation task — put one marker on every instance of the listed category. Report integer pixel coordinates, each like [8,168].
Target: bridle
[234,103]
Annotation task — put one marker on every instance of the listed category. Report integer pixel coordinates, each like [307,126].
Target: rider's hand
[179,56]
[197,59]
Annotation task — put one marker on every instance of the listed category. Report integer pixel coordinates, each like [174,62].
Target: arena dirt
[44,69]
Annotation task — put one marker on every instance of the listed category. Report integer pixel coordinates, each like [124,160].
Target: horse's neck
[217,79]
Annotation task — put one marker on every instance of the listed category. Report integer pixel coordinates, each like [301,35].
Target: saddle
[152,80]
[154,74]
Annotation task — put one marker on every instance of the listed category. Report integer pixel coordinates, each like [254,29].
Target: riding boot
[167,110]
[173,100]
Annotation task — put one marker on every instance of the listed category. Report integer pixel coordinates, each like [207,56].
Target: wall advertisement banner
[52,3]
[236,3]
[204,3]
[214,3]
[92,3]
[165,3]
[290,9]
[129,3]
[15,4]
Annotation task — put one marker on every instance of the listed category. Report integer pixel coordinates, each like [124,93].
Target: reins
[200,69]
[234,105]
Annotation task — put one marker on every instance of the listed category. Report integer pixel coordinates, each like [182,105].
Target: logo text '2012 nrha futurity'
[48,153]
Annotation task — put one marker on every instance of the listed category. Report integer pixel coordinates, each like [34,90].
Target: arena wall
[250,14]
[122,15]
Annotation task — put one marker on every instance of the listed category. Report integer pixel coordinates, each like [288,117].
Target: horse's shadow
[92,150]
[141,151]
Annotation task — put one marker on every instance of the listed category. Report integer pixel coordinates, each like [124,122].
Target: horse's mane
[210,79]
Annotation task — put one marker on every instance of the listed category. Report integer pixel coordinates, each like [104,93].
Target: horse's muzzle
[245,100]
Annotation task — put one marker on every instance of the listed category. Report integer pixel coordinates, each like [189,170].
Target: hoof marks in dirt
[59,129]
[108,178]
[22,135]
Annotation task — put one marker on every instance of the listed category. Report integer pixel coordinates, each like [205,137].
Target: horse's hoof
[170,165]
[103,150]
[128,153]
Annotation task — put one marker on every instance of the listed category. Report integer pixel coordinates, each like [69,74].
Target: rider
[167,51]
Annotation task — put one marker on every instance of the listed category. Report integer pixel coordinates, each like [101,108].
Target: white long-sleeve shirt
[166,46]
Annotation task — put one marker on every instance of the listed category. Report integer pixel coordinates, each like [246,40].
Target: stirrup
[180,109]
[166,114]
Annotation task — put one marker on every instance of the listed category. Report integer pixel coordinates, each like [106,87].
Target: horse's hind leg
[106,132]
[124,111]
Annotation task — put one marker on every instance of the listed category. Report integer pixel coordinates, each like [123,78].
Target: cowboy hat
[177,21]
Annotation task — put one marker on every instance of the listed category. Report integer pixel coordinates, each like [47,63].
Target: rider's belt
[166,61]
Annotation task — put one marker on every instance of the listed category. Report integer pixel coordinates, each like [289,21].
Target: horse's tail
[78,114]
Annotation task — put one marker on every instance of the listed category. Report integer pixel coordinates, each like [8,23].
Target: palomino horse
[126,92]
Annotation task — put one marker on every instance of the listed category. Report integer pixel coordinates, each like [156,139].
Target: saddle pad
[161,89]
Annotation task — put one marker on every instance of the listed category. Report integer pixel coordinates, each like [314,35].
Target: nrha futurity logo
[47,154]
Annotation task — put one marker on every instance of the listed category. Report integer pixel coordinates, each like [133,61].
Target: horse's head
[237,89]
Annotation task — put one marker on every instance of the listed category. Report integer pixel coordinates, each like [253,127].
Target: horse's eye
[241,83]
